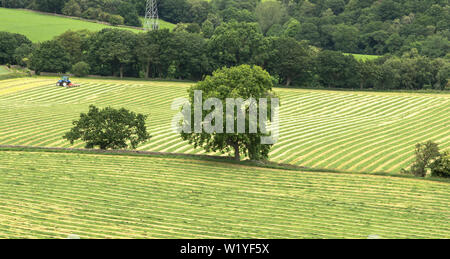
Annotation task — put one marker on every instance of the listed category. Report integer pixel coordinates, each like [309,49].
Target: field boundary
[210,158]
[109,152]
[366,90]
[275,87]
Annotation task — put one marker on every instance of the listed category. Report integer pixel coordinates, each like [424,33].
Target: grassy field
[41,27]
[364,57]
[342,130]
[3,70]
[52,195]
[163,24]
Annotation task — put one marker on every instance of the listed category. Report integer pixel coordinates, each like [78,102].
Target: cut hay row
[354,131]
[100,196]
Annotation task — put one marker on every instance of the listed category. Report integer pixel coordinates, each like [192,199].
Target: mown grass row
[355,131]
[51,195]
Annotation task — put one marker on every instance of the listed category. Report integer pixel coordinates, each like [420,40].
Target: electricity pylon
[151,16]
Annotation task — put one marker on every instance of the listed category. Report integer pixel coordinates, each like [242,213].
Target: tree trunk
[121,71]
[237,155]
[288,81]
[147,71]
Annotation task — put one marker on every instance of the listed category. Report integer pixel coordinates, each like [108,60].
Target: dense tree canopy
[290,60]
[111,51]
[270,14]
[151,53]
[109,128]
[50,56]
[300,42]
[336,70]
[359,26]
[237,43]
[8,44]
[237,82]
[184,55]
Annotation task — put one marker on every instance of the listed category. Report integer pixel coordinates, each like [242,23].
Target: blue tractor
[65,81]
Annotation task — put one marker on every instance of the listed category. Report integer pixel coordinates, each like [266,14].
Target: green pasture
[163,24]
[53,195]
[363,57]
[339,130]
[40,27]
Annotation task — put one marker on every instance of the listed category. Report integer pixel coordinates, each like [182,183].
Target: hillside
[52,195]
[344,130]
[40,27]
[359,147]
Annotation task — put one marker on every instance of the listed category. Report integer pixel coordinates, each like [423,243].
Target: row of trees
[369,26]
[355,26]
[183,55]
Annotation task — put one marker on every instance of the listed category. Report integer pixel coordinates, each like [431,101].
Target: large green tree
[149,51]
[76,43]
[237,82]
[187,54]
[72,8]
[109,128]
[174,11]
[8,44]
[199,10]
[237,43]
[345,38]
[337,70]
[111,49]
[290,60]
[129,13]
[50,56]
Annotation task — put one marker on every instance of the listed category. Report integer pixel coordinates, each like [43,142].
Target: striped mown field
[344,130]
[52,195]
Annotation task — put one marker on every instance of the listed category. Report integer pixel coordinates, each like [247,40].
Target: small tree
[426,154]
[72,8]
[441,166]
[114,20]
[81,69]
[109,128]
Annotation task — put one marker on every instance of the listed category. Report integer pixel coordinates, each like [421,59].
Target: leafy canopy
[243,81]
[109,128]
[426,154]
